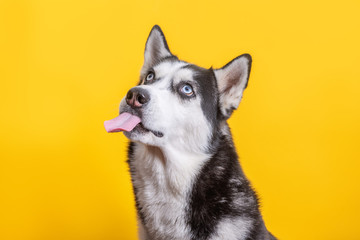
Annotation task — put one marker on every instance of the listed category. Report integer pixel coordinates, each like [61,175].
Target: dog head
[180,103]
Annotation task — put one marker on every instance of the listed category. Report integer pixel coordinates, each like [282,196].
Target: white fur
[163,179]
[232,229]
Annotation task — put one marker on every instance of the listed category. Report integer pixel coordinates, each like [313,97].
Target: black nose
[137,97]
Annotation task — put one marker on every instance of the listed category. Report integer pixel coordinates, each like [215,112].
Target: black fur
[208,92]
[220,182]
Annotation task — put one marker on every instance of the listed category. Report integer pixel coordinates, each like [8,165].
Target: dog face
[181,104]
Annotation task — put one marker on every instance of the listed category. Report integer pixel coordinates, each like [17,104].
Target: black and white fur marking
[187,180]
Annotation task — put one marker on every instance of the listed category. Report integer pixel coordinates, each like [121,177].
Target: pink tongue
[123,122]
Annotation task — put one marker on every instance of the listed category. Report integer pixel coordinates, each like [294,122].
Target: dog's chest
[161,196]
[164,214]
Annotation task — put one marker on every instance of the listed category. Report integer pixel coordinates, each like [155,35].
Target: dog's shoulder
[222,200]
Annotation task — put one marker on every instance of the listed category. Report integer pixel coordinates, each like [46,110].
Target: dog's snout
[137,97]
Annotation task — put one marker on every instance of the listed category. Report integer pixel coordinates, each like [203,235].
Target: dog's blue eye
[150,76]
[187,89]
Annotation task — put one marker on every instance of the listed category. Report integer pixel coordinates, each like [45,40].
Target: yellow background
[65,65]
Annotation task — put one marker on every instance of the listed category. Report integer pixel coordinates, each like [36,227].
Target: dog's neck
[169,166]
[174,164]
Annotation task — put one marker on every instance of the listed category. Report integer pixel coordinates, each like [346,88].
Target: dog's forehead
[171,69]
[179,71]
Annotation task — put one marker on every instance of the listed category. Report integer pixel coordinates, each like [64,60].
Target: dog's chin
[144,135]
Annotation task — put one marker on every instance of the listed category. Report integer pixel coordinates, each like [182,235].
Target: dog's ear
[232,79]
[156,48]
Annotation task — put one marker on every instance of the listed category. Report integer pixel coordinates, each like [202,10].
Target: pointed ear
[156,48]
[232,79]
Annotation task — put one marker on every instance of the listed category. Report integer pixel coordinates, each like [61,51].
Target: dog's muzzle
[130,116]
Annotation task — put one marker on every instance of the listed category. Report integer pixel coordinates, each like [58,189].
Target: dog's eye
[187,89]
[150,76]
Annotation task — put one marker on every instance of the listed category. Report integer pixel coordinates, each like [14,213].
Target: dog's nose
[137,97]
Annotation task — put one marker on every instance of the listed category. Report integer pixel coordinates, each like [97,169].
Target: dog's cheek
[192,128]
[201,131]
[182,122]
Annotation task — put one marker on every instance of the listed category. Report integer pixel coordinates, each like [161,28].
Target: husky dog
[187,180]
